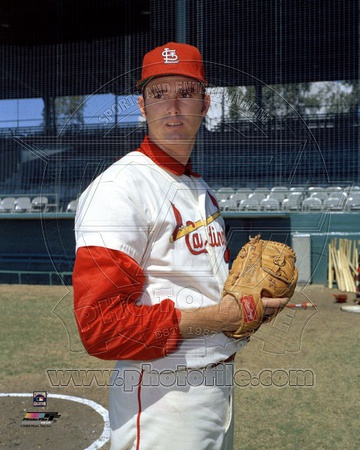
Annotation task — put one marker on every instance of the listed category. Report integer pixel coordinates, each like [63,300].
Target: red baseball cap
[172,59]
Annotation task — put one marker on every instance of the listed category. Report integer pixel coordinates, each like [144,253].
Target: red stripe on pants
[139,412]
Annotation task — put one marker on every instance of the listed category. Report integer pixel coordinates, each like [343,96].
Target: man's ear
[206,104]
[141,104]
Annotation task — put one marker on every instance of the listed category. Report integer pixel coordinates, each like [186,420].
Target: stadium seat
[279,193]
[352,203]
[258,196]
[315,189]
[354,195]
[249,204]
[224,192]
[279,189]
[331,189]
[311,204]
[269,204]
[341,198]
[293,202]
[352,191]
[296,189]
[71,207]
[295,195]
[227,204]
[237,197]
[283,189]
[23,204]
[7,204]
[279,196]
[333,204]
[39,204]
[322,195]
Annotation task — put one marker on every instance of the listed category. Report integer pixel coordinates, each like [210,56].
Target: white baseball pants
[179,410]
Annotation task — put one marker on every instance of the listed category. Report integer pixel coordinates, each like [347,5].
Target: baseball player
[151,261]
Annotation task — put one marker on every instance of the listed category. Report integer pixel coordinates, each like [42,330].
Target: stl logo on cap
[170,56]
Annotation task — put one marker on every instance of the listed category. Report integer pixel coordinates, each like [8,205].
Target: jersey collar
[164,160]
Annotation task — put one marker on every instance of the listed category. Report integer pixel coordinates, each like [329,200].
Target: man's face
[174,107]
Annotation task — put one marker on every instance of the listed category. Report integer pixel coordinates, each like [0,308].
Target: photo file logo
[38,419]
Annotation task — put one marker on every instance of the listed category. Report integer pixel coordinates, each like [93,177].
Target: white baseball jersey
[166,220]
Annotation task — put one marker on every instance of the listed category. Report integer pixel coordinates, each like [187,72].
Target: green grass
[38,332]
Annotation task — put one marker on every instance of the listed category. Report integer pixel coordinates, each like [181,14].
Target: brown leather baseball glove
[261,269]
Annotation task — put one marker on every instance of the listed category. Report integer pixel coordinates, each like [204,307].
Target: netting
[266,127]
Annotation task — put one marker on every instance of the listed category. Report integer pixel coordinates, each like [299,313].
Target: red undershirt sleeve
[111,321]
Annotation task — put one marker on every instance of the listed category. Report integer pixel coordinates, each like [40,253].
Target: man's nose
[173,106]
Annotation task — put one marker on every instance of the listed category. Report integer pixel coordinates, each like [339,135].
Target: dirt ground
[322,341]
[77,427]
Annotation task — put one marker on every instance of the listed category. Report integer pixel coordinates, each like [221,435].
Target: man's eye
[186,94]
[158,94]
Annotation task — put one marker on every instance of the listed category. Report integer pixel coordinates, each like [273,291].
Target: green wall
[33,242]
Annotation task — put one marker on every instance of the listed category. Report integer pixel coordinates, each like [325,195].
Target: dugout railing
[24,268]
